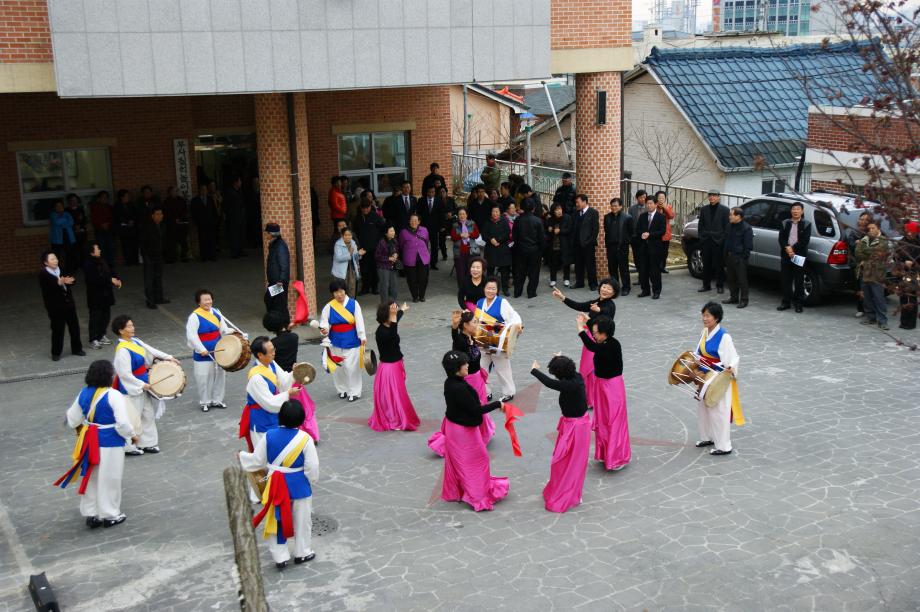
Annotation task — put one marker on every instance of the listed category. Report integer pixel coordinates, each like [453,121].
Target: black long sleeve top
[608,308]
[388,341]
[572,398]
[463,344]
[463,407]
[471,293]
[608,356]
[285,344]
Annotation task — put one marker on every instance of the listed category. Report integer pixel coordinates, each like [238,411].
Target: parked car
[827,268]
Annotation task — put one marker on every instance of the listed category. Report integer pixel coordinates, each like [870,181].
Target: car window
[824,224]
[781,212]
[756,211]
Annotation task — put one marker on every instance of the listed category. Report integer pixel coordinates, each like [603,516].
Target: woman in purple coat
[413,244]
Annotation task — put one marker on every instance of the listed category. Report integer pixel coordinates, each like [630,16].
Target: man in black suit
[618,230]
[431,213]
[650,228]
[793,240]
[635,211]
[369,227]
[712,227]
[587,227]
[205,217]
[432,179]
[528,238]
[398,207]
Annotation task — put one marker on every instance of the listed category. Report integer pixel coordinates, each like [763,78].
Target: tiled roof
[747,102]
[562,96]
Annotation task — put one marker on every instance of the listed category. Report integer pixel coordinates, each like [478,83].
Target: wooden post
[252,592]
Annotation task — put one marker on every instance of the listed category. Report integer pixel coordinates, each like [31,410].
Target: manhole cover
[323,525]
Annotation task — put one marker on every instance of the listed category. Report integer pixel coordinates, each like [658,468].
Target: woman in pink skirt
[462,328]
[607,291]
[392,407]
[467,476]
[611,428]
[570,457]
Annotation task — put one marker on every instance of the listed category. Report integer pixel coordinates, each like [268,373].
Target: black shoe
[730,301]
[153,450]
[655,296]
[625,291]
[151,306]
[644,294]
[421,299]
[507,398]
[164,301]
[281,566]
[352,398]
[205,407]
[80,353]
[343,395]
[799,308]
[703,288]
[55,358]
[664,271]
[716,452]
[434,267]
[720,290]
[92,522]
[703,443]
[414,300]
[489,397]
[782,307]
[220,405]
[581,286]
[742,304]
[310,557]
[115,521]
[592,287]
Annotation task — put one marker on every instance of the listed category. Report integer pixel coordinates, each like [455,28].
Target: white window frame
[373,171]
[85,194]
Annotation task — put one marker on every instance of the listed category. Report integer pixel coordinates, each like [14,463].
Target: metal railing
[685,201]
[465,170]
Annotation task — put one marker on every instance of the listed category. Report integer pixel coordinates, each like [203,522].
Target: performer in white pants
[290,457]
[203,331]
[343,325]
[268,387]
[495,309]
[105,428]
[132,360]
[716,351]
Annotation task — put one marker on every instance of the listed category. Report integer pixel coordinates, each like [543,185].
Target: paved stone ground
[818,508]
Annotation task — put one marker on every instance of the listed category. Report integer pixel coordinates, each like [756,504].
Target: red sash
[244,425]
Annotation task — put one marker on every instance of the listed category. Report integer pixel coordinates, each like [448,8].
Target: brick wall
[589,24]
[25,36]
[428,107]
[858,134]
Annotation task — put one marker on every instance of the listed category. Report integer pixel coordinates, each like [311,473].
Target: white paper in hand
[798,260]
[275,289]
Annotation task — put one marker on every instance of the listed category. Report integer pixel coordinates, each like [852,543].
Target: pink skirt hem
[569,464]
[467,475]
[611,425]
[393,409]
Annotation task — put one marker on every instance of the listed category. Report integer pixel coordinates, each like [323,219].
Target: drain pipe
[295,184]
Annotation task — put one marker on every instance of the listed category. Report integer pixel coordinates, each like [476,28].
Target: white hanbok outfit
[140,405]
[345,344]
[210,378]
[715,423]
[498,365]
[102,498]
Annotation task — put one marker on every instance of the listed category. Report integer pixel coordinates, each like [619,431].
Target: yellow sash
[131,346]
[263,371]
[737,413]
[343,312]
[209,316]
[271,523]
[89,417]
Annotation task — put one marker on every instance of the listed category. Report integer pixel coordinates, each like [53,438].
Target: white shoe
[860,314]
[95,344]
[566,283]
[552,283]
[105,340]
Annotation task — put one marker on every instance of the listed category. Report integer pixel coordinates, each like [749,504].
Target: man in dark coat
[527,235]
[650,228]
[152,240]
[618,230]
[369,228]
[277,272]
[478,205]
[127,222]
[400,206]
[57,294]
[794,236]
[497,235]
[635,211]
[739,242]
[711,228]
[565,194]
[587,228]
[431,213]
[235,214]
[432,179]
[205,216]
[176,210]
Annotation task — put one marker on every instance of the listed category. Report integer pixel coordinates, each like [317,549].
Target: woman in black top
[62,311]
[393,410]
[473,285]
[467,476]
[607,291]
[285,341]
[101,282]
[462,330]
[611,426]
[497,234]
[570,456]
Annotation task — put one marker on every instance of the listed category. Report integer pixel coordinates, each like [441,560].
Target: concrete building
[784,17]
[111,94]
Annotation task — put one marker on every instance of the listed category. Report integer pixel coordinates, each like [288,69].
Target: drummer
[132,360]
[716,351]
[267,389]
[343,325]
[495,309]
[203,330]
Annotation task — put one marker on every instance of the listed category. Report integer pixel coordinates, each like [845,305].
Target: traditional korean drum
[232,352]
[497,336]
[167,380]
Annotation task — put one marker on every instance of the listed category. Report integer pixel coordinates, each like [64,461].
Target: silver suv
[828,263]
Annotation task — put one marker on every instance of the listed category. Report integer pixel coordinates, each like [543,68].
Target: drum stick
[167,377]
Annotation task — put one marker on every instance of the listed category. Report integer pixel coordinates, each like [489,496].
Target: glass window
[824,224]
[354,152]
[377,161]
[756,211]
[48,176]
[388,182]
[781,212]
[390,150]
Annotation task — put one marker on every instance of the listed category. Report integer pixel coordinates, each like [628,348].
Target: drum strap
[86,450]
[208,316]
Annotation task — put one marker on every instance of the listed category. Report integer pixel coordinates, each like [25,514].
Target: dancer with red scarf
[100,416]
[289,455]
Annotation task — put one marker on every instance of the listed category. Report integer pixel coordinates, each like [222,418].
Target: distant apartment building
[786,17]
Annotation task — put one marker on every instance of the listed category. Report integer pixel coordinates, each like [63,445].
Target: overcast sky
[642,10]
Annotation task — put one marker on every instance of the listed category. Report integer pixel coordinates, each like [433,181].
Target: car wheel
[695,263]
[814,292]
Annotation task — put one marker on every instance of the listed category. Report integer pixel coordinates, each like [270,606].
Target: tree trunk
[246,553]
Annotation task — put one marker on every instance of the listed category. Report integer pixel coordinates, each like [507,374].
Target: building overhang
[575,61]
[27,77]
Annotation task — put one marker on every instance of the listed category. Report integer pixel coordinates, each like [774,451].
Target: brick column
[597,152]
[276,181]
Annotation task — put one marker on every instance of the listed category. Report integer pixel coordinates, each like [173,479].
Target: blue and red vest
[262,420]
[104,415]
[494,311]
[342,333]
[709,352]
[138,364]
[208,332]
[297,482]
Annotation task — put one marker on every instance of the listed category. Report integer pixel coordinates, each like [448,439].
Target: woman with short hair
[393,409]
[716,352]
